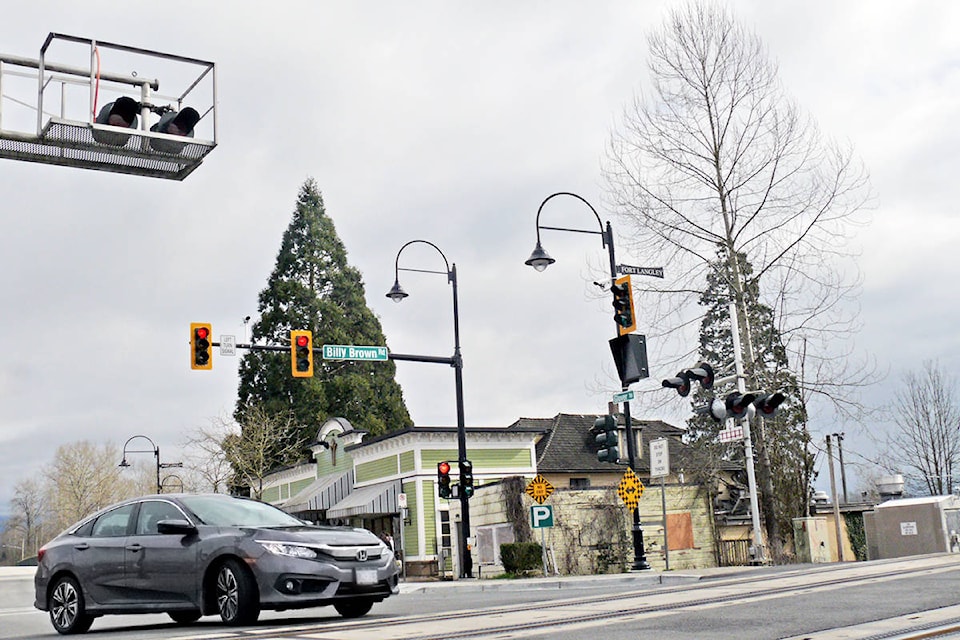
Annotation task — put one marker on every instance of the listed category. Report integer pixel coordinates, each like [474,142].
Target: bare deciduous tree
[254,450]
[720,163]
[927,445]
[204,457]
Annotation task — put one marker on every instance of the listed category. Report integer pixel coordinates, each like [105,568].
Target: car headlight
[285,549]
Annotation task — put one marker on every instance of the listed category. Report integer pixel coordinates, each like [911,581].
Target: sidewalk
[632,579]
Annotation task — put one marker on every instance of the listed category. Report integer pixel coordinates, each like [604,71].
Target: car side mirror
[182,527]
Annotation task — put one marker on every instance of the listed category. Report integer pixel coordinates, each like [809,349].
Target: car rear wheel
[68,614]
[353,608]
[236,591]
[184,617]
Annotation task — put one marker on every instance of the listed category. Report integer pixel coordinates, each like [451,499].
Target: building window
[579,483]
[445,540]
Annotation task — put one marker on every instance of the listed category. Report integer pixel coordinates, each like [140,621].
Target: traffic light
[738,404]
[701,372]
[605,428]
[466,478]
[301,354]
[443,479]
[200,346]
[768,404]
[623,313]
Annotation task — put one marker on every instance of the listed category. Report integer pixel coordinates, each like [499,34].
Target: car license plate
[366,576]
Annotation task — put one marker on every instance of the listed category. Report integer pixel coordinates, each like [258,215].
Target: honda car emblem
[362,555]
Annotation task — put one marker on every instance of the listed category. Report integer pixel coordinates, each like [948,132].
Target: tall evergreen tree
[312,287]
[784,462]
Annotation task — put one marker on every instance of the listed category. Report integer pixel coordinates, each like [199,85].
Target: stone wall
[592,530]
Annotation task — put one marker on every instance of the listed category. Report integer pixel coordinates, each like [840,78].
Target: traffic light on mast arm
[301,354]
[443,479]
[623,313]
[605,428]
[201,356]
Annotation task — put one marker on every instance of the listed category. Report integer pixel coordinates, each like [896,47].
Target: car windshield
[236,512]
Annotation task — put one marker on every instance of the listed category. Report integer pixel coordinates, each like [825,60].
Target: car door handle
[134,547]
[83,546]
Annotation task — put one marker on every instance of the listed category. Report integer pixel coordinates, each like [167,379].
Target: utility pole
[843,473]
[836,504]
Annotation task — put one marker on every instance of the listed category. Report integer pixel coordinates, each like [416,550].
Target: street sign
[228,345]
[539,489]
[541,516]
[623,396]
[353,352]
[653,272]
[659,458]
[732,434]
[630,489]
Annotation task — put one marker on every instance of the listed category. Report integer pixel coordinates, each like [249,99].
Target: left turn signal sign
[201,346]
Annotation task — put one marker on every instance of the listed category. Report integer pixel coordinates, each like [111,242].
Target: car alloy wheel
[67,611]
[237,599]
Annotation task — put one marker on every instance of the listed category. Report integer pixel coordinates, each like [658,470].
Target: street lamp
[397,294]
[177,480]
[156,454]
[540,260]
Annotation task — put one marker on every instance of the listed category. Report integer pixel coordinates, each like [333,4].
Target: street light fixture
[397,294]
[540,260]
[156,454]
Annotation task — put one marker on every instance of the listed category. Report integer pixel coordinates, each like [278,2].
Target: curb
[574,582]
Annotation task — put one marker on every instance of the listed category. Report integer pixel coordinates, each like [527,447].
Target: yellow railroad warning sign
[630,489]
[539,489]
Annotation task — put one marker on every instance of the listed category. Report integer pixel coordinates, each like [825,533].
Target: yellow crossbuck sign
[539,489]
[630,489]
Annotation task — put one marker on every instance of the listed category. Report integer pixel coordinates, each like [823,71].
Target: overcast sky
[448,122]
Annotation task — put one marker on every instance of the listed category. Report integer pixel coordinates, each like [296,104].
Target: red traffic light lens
[444,467]
[302,341]
[202,333]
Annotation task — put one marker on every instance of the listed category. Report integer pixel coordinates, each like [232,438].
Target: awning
[321,494]
[374,500]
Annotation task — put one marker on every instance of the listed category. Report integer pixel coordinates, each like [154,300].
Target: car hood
[333,536]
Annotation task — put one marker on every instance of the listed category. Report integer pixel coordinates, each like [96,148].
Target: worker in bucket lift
[120,113]
[175,123]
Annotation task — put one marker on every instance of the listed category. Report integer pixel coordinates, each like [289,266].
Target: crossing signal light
[702,373]
[201,347]
[605,430]
[737,404]
[623,313]
[767,404]
[301,354]
[443,479]
[466,478]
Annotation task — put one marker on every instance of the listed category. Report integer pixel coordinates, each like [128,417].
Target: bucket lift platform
[31,131]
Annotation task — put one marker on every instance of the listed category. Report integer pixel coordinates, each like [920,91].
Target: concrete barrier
[16,587]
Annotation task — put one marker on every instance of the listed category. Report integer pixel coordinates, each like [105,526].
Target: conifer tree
[312,287]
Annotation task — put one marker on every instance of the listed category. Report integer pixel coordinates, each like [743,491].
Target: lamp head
[539,259]
[396,292]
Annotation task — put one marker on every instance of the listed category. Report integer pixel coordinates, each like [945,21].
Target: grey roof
[569,447]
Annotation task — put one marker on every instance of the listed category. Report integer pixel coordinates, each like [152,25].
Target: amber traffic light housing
[201,347]
[301,354]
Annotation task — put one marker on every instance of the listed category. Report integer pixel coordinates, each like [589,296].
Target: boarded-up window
[679,531]
[489,539]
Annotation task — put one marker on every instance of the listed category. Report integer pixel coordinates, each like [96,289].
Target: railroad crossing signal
[539,489]
[630,489]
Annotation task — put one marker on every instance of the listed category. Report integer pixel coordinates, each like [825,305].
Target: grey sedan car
[194,555]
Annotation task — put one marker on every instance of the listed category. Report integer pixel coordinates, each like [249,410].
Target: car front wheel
[67,611]
[237,598]
[353,608]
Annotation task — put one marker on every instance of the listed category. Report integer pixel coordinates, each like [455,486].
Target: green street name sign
[623,396]
[353,352]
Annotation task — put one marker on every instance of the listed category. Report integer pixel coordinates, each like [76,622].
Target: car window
[152,512]
[223,511]
[113,523]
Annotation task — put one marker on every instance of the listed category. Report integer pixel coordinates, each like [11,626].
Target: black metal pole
[156,452]
[467,563]
[639,555]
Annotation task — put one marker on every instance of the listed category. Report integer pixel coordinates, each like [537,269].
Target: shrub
[520,557]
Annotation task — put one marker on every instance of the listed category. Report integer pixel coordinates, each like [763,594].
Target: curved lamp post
[177,480]
[156,454]
[397,294]
[540,260]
